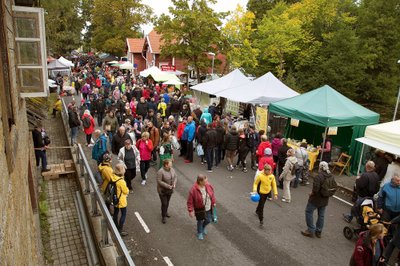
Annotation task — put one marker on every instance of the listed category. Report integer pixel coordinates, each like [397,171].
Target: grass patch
[44,223]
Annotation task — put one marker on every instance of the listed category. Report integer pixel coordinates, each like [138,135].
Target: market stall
[263,90]
[326,109]
[56,67]
[384,136]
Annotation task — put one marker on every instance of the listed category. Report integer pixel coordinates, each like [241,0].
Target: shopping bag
[214,215]
[200,151]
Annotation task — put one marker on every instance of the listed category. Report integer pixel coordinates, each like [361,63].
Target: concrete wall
[19,241]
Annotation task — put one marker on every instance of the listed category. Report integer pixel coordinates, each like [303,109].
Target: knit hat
[267,151]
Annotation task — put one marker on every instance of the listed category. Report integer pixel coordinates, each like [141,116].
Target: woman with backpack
[129,156]
[165,150]
[324,186]
[288,174]
[88,126]
[122,192]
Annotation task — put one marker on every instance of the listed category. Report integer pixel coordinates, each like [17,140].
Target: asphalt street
[237,238]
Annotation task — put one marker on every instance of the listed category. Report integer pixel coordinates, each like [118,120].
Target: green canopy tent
[325,107]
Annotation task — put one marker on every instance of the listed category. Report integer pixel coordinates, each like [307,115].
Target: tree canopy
[190,32]
[113,21]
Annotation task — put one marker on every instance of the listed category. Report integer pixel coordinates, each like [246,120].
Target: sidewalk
[66,241]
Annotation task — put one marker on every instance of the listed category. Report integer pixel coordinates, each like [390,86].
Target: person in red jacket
[200,202]
[369,247]
[181,128]
[263,145]
[266,159]
[145,147]
[88,126]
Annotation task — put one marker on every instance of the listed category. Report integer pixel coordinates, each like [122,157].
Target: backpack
[46,140]
[328,187]
[294,168]
[86,122]
[110,194]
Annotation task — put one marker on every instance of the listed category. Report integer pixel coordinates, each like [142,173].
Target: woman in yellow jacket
[267,183]
[122,193]
[162,108]
[57,106]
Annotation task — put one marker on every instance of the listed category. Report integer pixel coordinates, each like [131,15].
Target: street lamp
[212,66]
[398,99]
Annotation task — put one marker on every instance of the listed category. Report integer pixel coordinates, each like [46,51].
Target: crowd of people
[141,123]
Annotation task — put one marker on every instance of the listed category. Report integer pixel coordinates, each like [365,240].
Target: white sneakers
[143,182]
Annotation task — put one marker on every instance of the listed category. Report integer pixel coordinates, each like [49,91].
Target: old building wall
[19,234]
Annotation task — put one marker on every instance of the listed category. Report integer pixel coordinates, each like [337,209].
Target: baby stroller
[365,216]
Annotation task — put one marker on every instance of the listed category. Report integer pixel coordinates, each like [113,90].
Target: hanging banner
[261,119]
[332,131]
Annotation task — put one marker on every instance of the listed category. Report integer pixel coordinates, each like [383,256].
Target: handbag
[199,149]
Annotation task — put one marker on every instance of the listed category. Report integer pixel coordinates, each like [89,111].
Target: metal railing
[97,203]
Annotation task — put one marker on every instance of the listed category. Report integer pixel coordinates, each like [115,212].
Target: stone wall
[19,232]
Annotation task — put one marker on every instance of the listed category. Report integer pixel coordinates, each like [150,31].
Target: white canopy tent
[126,65]
[384,136]
[56,67]
[150,71]
[264,90]
[66,62]
[233,79]
[173,82]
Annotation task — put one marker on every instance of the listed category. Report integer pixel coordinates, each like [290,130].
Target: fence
[98,206]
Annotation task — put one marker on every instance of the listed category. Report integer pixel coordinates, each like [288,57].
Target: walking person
[118,140]
[288,174]
[129,156]
[263,184]
[106,171]
[231,145]
[317,201]
[302,158]
[369,247]
[165,151]
[100,146]
[210,142]
[220,141]
[182,138]
[40,148]
[166,183]
[282,155]
[74,123]
[122,193]
[145,147]
[88,126]
[190,130]
[200,202]
[57,106]
[243,150]
[110,125]
[155,139]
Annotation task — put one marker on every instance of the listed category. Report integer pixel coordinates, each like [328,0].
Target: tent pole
[323,143]
[361,156]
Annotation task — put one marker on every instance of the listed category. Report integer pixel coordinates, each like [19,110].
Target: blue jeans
[121,222]
[310,208]
[74,134]
[210,158]
[201,224]
[41,155]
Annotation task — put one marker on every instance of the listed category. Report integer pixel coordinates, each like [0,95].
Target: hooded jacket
[73,119]
[122,190]
[315,197]
[210,139]
[286,175]
[232,141]
[261,148]
[90,129]
[363,254]
[206,116]
[106,172]
[276,144]
[190,130]
[195,199]
[99,148]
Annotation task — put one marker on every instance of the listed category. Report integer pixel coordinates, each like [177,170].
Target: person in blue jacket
[206,116]
[190,131]
[100,146]
[389,199]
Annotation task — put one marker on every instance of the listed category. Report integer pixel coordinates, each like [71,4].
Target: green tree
[237,32]
[87,7]
[260,7]
[378,26]
[63,25]
[190,32]
[114,21]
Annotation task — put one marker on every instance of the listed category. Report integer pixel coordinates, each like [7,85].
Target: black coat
[201,134]
[220,135]
[142,109]
[37,139]
[316,198]
[367,185]
[282,154]
[118,142]
[100,106]
[73,119]
[231,141]
[175,106]
[210,140]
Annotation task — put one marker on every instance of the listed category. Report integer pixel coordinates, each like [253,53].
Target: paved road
[237,238]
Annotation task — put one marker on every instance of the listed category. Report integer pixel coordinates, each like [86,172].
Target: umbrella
[173,82]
